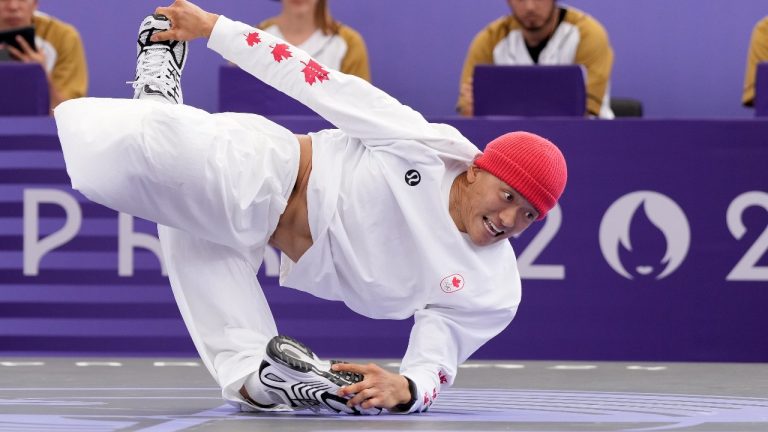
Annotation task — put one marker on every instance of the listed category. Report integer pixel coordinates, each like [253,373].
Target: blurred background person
[758,53]
[58,49]
[308,24]
[542,32]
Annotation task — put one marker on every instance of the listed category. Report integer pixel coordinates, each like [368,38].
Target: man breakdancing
[391,214]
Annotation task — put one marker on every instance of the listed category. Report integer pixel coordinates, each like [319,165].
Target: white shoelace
[151,68]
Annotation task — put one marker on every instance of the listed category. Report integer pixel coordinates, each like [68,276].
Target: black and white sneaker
[294,375]
[158,64]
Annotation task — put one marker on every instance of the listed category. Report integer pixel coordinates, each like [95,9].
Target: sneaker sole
[315,386]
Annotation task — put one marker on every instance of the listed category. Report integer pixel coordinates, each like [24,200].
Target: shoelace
[150,69]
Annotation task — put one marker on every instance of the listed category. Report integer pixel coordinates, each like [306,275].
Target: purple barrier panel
[639,265]
[657,252]
[241,92]
[24,87]
[94,295]
[761,90]
[93,326]
[85,261]
[27,159]
[531,91]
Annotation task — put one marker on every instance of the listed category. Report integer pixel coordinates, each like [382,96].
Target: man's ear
[472,172]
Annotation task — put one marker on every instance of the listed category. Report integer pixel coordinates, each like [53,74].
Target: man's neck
[455,197]
[535,37]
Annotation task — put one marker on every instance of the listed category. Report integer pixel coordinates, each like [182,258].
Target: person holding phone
[57,48]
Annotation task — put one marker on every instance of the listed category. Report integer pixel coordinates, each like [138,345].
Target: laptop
[537,91]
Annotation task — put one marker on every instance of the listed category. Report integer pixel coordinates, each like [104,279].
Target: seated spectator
[308,25]
[758,53]
[59,48]
[542,32]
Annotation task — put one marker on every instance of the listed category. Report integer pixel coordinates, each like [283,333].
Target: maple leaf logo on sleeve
[314,72]
[252,39]
[442,376]
[281,52]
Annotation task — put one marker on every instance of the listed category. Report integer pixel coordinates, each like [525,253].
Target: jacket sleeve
[348,102]
[758,52]
[355,61]
[480,52]
[441,339]
[596,54]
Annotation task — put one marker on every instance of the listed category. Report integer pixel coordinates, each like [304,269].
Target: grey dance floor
[144,394]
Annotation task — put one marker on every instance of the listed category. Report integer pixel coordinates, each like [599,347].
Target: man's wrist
[211,20]
[406,406]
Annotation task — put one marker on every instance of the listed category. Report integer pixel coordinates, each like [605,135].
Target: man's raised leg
[224,178]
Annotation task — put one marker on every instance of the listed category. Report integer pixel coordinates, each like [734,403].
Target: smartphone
[8,37]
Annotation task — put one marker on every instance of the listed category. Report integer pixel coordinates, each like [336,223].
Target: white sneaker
[294,376]
[158,64]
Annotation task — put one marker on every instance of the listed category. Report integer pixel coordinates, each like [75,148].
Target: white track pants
[217,185]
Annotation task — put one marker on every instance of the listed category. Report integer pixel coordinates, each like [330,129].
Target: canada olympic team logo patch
[452,283]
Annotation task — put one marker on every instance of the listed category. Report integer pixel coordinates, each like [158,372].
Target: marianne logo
[452,283]
[412,177]
[659,229]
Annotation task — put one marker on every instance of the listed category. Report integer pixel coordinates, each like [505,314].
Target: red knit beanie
[530,164]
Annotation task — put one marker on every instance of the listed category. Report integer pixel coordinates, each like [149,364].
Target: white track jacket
[383,240]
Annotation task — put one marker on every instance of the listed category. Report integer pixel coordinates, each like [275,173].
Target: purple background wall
[682,58]
[658,252]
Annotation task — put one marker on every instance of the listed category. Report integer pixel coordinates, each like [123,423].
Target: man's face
[16,13]
[533,15]
[492,210]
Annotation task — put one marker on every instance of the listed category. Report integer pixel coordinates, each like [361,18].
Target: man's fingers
[372,403]
[165,11]
[165,36]
[24,45]
[15,52]
[350,367]
[353,388]
[361,397]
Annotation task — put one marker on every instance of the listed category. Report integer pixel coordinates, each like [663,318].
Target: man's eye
[508,196]
[529,216]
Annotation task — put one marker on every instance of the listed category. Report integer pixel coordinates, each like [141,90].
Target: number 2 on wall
[529,270]
[747,269]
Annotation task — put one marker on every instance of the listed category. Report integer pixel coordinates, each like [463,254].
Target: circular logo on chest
[412,177]
[452,283]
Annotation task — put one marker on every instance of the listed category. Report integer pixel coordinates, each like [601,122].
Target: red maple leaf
[443,378]
[434,393]
[281,52]
[313,71]
[426,398]
[252,39]
[456,282]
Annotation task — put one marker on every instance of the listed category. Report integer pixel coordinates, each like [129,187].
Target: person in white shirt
[391,214]
[309,25]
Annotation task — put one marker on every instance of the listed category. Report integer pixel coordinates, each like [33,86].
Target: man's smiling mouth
[491,228]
